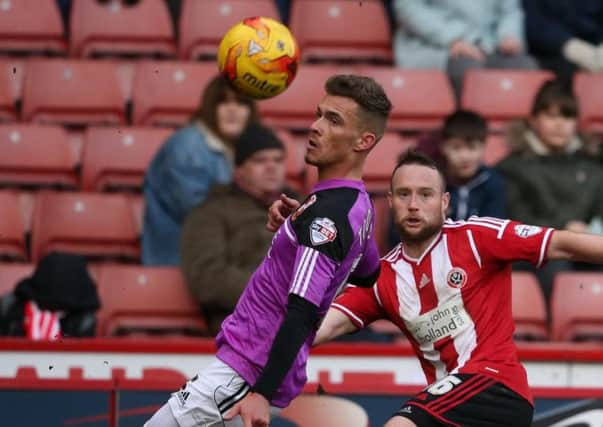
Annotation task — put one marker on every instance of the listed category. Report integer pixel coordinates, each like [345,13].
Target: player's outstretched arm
[333,325]
[571,246]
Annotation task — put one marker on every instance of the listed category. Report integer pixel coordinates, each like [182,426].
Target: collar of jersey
[428,249]
[338,182]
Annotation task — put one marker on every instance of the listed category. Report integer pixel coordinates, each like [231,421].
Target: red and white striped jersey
[454,302]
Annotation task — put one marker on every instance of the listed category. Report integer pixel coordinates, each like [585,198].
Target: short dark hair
[466,125]
[556,93]
[413,157]
[367,93]
[217,91]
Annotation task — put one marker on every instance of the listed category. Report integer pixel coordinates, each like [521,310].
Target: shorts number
[444,385]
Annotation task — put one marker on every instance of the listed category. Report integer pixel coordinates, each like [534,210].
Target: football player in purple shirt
[263,347]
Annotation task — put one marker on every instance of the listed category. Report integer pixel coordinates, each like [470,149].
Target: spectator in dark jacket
[475,189]
[224,239]
[552,175]
[565,35]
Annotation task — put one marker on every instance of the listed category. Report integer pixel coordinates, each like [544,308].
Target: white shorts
[208,396]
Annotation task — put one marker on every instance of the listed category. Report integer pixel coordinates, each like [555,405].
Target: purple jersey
[326,241]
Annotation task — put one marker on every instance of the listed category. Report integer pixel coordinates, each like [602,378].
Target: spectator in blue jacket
[565,35]
[189,163]
[475,189]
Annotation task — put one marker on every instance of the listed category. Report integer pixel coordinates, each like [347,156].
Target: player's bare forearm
[571,246]
[334,325]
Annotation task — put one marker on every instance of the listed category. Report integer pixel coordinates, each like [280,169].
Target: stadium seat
[576,306]
[381,162]
[36,156]
[73,92]
[98,226]
[117,158]
[589,90]
[339,30]
[31,26]
[113,29]
[138,299]
[12,231]
[11,81]
[13,273]
[167,93]
[421,98]
[137,206]
[529,309]
[325,411]
[501,95]
[203,23]
[296,107]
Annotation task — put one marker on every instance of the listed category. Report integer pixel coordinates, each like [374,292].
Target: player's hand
[461,48]
[254,410]
[510,46]
[279,211]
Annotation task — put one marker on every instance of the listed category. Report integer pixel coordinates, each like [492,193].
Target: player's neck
[339,171]
[416,249]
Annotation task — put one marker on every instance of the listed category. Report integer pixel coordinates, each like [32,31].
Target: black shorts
[468,400]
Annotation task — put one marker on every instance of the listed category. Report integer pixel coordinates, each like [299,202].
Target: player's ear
[366,141]
[445,203]
[389,199]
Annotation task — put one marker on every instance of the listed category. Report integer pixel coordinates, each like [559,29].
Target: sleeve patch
[524,231]
[322,230]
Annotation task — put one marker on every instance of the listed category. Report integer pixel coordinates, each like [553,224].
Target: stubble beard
[423,235]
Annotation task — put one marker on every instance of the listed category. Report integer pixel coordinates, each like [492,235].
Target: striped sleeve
[498,240]
[360,305]
[312,275]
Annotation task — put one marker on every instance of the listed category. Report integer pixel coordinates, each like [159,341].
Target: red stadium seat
[576,306]
[12,231]
[146,300]
[31,26]
[137,206]
[589,90]
[296,107]
[11,81]
[167,93]
[13,273]
[114,29]
[203,23]
[325,411]
[94,225]
[381,162]
[421,98]
[501,95]
[117,158]
[342,30]
[529,309]
[34,155]
[73,92]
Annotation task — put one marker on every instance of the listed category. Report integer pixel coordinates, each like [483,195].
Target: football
[259,57]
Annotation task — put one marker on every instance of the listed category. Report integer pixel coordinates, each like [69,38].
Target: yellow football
[259,57]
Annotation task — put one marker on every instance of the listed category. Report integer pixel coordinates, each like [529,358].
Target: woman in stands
[192,160]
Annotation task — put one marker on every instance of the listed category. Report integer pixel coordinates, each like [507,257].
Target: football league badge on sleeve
[525,231]
[322,230]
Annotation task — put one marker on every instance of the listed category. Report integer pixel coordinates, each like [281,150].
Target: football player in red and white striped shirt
[447,286]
